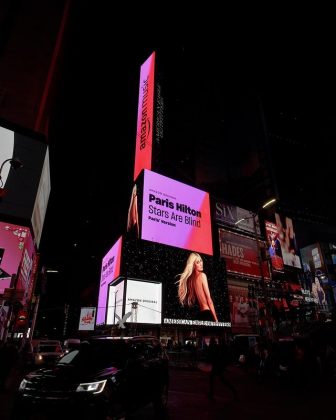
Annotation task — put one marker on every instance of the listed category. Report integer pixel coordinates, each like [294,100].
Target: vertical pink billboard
[16,257]
[175,214]
[144,134]
[109,272]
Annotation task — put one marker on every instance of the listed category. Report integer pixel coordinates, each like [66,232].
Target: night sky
[93,125]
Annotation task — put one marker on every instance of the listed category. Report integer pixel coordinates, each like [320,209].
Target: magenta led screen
[175,214]
[109,272]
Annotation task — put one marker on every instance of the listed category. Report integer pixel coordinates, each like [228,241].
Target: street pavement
[188,398]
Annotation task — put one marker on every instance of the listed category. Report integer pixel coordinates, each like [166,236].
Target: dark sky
[92,129]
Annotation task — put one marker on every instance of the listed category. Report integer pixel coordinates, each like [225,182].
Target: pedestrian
[218,358]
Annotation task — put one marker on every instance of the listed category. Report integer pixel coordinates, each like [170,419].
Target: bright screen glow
[15,248]
[144,135]
[175,214]
[115,302]
[109,272]
[27,188]
[87,319]
[148,297]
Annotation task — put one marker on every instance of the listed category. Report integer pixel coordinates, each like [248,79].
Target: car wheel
[161,400]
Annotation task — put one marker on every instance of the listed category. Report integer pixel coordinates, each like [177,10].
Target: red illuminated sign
[241,255]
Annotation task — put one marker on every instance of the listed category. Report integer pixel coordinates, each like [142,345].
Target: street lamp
[253,216]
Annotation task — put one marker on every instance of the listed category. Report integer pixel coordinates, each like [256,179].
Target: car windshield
[97,354]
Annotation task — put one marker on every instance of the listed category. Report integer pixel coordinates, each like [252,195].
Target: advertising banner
[16,256]
[196,296]
[148,297]
[109,272]
[228,214]
[145,121]
[274,247]
[87,319]
[315,275]
[175,214]
[143,302]
[241,254]
[243,309]
[286,236]
[115,302]
[26,189]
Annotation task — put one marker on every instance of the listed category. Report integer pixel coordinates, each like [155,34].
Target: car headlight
[23,384]
[94,387]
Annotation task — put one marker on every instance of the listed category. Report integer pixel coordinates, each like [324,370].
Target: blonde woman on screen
[133,217]
[193,286]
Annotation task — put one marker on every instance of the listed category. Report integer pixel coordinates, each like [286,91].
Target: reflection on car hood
[69,374]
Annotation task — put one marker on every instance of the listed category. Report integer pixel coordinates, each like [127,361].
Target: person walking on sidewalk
[218,358]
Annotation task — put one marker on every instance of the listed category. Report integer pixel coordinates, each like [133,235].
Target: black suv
[105,378]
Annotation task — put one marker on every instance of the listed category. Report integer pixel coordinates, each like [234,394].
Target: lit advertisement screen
[241,254]
[163,264]
[228,214]
[87,319]
[15,241]
[274,246]
[109,272]
[243,309]
[144,134]
[26,188]
[27,272]
[147,295]
[175,214]
[315,274]
[286,235]
[115,302]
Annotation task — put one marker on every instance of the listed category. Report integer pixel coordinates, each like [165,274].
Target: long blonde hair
[186,289]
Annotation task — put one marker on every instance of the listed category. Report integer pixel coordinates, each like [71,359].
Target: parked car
[47,352]
[71,344]
[104,378]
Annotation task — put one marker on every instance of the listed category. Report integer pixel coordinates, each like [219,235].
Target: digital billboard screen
[274,247]
[26,188]
[16,251]
[228,214]
[110,271]
[315,274]
[144,134]
[87,319]
[164,264]
[148,297]
[175,214]
[243,309]
[286,235]
[241,254]
[115,302]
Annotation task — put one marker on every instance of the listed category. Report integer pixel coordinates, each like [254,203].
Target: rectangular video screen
[175,214]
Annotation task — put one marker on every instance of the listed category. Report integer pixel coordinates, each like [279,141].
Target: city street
[188,398]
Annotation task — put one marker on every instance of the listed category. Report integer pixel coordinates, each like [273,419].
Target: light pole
[269,326]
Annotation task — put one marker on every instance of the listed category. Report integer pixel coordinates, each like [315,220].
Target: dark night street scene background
[242,121]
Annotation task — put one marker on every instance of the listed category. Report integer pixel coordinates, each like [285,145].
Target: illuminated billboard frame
[175,214]
[109,272]
[145,120]
[17,253]
[164,264]
[241,255]
[125,292]
[27,189]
